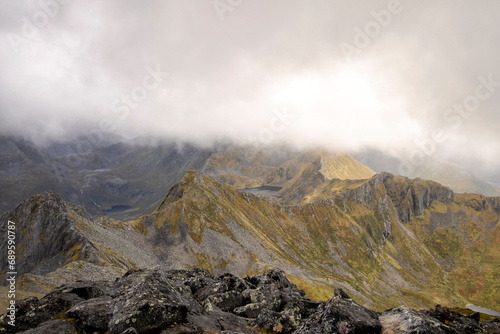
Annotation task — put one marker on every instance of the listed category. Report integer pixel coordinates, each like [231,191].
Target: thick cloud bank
[419,77]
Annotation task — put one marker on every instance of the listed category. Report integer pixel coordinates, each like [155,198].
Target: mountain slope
[386,240]
[247,167]
[368,238]
[58,242]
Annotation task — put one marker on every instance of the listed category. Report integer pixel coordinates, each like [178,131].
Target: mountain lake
[116,209]
[262,190]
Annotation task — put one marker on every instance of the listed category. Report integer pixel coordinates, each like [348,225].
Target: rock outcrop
[47,234]
[193,301]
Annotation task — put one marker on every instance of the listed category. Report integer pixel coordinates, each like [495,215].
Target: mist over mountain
[250,166]
[127,178]
[340,75]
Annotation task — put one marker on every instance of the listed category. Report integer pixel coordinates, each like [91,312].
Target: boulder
[341,315]
[405,320]
[491,326]
[462,324]
[150,303]
[92,315]
[54,327]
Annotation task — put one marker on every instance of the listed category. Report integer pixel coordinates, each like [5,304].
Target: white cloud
[227,78]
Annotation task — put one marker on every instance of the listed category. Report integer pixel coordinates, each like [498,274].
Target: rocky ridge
[387,240]
[194,301]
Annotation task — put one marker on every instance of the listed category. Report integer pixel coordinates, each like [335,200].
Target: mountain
[386,240]
[457,177]
[118,178]
[248,167]
[125,179]
[58,242]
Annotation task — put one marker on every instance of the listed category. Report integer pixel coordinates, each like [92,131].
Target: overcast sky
[342,73]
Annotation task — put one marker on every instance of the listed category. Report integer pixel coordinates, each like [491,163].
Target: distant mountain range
[125,179]
[324,218]
[458,178]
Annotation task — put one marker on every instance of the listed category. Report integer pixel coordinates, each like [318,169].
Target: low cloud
[376,73]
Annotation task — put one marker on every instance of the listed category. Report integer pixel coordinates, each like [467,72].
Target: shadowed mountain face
[135,175]
[387,240]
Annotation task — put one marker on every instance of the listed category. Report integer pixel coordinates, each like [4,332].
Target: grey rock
[54,327]
[407,321]
[92,315]
[340,315]
[151,304]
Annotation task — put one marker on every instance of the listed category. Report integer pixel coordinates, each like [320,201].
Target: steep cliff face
[410,197]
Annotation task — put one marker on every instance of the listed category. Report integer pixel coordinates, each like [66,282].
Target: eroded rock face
[193,301]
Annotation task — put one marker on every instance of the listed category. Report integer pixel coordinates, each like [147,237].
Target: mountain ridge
[379,236]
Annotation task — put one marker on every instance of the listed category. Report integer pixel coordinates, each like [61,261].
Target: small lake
[480,309]
[263,190]
[116,209]
[494,184]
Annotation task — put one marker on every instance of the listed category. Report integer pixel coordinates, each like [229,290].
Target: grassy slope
[339,241]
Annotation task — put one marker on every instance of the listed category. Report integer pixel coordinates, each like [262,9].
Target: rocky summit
[194,301]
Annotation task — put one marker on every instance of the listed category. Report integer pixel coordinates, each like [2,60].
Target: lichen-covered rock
[462,324]
[28,315]
[54,327]
[193,301]
[32,311]
[223,284]
[151,303]
[407,321]
[276,322]
[342,315]
[195,278]
[92,315]
[251,310]
[491,326]
[226,301]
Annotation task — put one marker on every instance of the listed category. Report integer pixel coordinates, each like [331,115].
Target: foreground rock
[341,314]
[193,301]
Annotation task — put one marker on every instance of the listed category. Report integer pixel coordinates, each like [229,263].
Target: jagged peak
[46,196]
[48,205]
[391,180]
[37,200]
